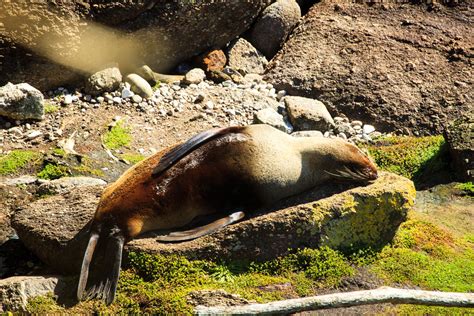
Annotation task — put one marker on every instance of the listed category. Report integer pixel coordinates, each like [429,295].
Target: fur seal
[224,170]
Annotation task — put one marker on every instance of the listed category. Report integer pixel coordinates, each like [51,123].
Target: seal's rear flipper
[202,230]
[178,152]
[105,269]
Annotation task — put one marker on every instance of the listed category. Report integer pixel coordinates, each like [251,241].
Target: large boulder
[83,35]
[55,228]
[459,136]
[398,67]
[274,25]
[21,102]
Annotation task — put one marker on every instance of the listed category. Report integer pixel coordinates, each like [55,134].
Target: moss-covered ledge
[359,217]
[340,216]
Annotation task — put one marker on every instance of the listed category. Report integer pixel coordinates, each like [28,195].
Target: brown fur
[223,175]
[218,171]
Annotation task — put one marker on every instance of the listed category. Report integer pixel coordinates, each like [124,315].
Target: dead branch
[380,295]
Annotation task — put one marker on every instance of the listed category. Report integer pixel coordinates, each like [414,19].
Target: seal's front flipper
[202,230]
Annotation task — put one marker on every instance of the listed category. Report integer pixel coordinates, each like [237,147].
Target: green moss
[52,171]
[406,266]
[410,156]
[425,255]
[59,152]
[422,236]
[324,265]
[16,160]
[87,170]
[50,108]
[132,158]
[467,187]
[42,304]
[156,284]
[418,310]
[118,136]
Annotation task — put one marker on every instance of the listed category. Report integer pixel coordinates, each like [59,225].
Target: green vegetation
[118,136]
[50,108]
[410,156]
[132,158]
[324,265]
[42,305]
[59,152]
[16,160]
[421,254]
[467,187]
[52,171]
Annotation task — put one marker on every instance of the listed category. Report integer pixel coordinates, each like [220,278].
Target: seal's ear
[180,151]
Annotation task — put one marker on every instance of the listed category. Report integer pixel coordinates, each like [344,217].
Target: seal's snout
[371,173]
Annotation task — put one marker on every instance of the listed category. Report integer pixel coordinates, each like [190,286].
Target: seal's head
[347,162]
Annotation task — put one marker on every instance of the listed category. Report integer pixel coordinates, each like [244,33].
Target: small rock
[21,102]
[367,129]
[66,184]
[214,60]
[245,58]
[199,98]
[34,134]
[106,80]
[16,291]
[195,76]
[356,123]
[127,93]
[100,99]
[139,85]
[67,99]
[271,117]
[308,114]
[136,98]
[117,100]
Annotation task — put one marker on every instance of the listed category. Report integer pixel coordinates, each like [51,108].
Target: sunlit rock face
[54,43]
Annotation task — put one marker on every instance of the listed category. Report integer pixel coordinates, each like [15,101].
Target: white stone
[367,129]
[136,98]
[67,99]
[127,93]
[117,100]
[196,76]
[34,134]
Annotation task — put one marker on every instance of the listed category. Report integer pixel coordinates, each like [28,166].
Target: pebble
[67,99]
[356,123]
[136,98]
[100,99]
[367,129]
[117,100]
[34,134]
[127,93]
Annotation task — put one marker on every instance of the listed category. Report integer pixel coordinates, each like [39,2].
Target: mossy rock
[360,217]
[55,228]
[424,160]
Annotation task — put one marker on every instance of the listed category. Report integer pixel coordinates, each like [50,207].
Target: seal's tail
[105,269]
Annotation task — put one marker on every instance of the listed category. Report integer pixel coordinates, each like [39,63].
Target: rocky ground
[391,68]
